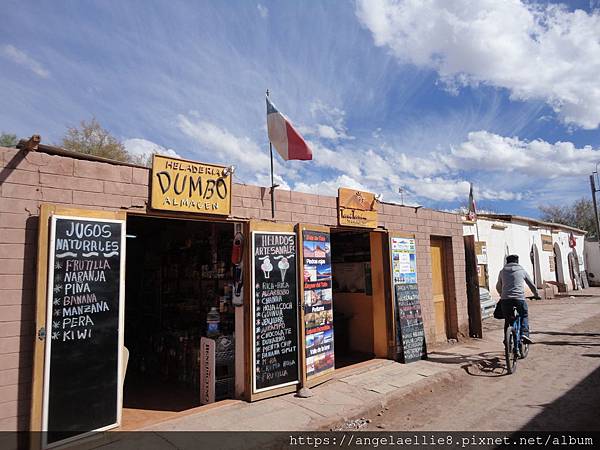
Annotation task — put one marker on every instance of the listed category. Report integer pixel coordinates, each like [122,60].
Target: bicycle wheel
[509,346]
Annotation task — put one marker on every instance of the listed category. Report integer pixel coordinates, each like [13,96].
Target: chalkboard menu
[410,334]
[275,310]
[81,386]
[318,302]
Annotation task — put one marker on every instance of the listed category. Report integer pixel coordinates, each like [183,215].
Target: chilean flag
[284,137]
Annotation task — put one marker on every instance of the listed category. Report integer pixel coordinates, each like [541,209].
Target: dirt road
[556,388]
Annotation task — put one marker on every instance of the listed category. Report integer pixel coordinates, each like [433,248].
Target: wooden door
[43,403]
[473,283]
[438,280]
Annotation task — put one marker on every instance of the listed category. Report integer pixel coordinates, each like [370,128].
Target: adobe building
[552,253]
[158,290]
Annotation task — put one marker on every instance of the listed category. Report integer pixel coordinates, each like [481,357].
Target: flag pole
[273,185]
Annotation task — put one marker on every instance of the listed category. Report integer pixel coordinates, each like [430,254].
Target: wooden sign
[207,371]
[357,208]
[410,333]
[547,244]
[187,186]
[274,310]
[84,339]
[318,302]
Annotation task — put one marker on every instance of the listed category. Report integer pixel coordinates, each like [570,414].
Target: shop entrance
[359,316]
[178,281]
[440,289]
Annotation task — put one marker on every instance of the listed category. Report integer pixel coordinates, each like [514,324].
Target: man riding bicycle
[511,288]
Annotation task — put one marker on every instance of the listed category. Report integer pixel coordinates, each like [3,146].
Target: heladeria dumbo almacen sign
[189,186]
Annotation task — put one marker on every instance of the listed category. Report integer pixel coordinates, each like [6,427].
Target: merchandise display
[179,288]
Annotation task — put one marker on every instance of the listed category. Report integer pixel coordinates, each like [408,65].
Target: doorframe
[47,210]
[449,285]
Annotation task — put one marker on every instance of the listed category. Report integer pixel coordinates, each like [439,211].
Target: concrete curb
[374,407]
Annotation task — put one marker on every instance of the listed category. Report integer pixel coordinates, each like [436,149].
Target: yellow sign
[357,208]
[187,186]
[547,245]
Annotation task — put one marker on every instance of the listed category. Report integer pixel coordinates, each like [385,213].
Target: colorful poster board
[318,302]
[84,339]
[410,333]
[274,310]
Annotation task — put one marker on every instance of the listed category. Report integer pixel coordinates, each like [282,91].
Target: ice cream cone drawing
[266,266]
[283,265]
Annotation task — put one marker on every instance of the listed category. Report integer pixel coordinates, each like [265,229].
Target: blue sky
[426,96]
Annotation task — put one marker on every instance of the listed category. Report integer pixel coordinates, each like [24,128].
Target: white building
[591,255]
[551,253]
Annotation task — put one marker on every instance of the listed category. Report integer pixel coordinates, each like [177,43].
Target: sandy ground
[557,387]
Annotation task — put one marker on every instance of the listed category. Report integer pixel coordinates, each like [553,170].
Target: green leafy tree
[580,215]
[8,140]
[90,138]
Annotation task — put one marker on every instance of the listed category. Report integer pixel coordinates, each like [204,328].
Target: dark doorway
[352,296]
[176,273]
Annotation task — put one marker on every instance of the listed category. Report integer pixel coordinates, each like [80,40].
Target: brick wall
[28,179]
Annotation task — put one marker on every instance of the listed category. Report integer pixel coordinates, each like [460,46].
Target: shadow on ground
[485,364]
[576,410]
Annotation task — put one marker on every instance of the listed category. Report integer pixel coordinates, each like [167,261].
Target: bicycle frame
[516,326]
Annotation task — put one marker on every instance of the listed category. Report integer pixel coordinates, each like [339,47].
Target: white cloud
[241,151]
[535,51]
[340,159]
[263,11]
[20,57]
[264,179]
[330,187]
[448,190]
[145,148]
[330,122]
[489,152]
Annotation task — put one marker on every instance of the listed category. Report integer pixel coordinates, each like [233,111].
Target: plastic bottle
[213,319]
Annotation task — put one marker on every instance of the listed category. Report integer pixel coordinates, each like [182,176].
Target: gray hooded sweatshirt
[511,282]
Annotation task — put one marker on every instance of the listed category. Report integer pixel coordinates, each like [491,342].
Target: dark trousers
[521,304]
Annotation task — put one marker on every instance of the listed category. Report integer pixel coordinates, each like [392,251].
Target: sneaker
[527,339]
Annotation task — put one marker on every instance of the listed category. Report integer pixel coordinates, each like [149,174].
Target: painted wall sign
[357,208]
[318,302]
[552,263]
[410,333]
[547,244]
[274,310]
[83,359]
[187,186]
